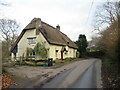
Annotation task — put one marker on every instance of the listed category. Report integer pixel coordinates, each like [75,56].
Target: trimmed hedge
[96,54]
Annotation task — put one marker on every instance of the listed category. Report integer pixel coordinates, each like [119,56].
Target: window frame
[56,53]
[31,40]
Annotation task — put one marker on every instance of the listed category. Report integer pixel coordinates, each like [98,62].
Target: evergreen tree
[82,45]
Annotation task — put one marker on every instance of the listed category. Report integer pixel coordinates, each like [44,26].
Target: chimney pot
[58,27]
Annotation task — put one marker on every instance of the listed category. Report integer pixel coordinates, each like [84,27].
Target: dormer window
[32,40]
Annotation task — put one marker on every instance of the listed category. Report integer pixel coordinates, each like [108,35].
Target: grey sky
[71,15]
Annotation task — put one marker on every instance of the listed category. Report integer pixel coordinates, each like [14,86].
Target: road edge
[98,66]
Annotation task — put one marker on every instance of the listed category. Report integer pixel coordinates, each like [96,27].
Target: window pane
[31,40]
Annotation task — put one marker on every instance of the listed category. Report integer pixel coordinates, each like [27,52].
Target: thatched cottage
[58,45]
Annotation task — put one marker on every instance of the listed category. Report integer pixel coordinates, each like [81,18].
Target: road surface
[87,74]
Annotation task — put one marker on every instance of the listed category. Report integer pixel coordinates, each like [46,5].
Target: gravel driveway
[38,75]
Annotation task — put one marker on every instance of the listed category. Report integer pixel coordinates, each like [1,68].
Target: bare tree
[107,14]
[9,29]
[109,41]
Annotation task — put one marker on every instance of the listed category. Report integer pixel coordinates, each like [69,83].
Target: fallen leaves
[7,81]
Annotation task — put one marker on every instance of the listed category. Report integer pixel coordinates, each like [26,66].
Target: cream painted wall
[52,51]
[71,52]
[23,44]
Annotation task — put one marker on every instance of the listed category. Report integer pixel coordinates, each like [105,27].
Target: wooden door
[62,55]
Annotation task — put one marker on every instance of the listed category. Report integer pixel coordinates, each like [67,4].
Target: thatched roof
[51,34]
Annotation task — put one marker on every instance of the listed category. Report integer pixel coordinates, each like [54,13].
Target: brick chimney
[58,27]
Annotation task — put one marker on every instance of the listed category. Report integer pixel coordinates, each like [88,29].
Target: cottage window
[32,54]
[66,53]
[32,40]
[56,52]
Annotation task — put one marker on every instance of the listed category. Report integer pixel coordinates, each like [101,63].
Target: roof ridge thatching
[55,36]
[48,24]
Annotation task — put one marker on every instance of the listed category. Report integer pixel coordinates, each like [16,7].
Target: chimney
[58,27]
[38,24]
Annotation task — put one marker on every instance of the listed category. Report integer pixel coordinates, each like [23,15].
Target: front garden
[45,63]
[8,79]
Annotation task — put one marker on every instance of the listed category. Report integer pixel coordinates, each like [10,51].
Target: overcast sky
[71,15]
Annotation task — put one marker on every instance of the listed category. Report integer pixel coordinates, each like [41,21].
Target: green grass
[6,59]
[68,58]
[62,62]
[4,70]
[55,62]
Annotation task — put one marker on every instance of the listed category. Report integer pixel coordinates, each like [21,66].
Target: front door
[62,55]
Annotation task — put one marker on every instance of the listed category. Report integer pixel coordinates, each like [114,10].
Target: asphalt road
[85,75]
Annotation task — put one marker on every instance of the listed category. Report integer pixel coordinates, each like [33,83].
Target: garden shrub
[41,51]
